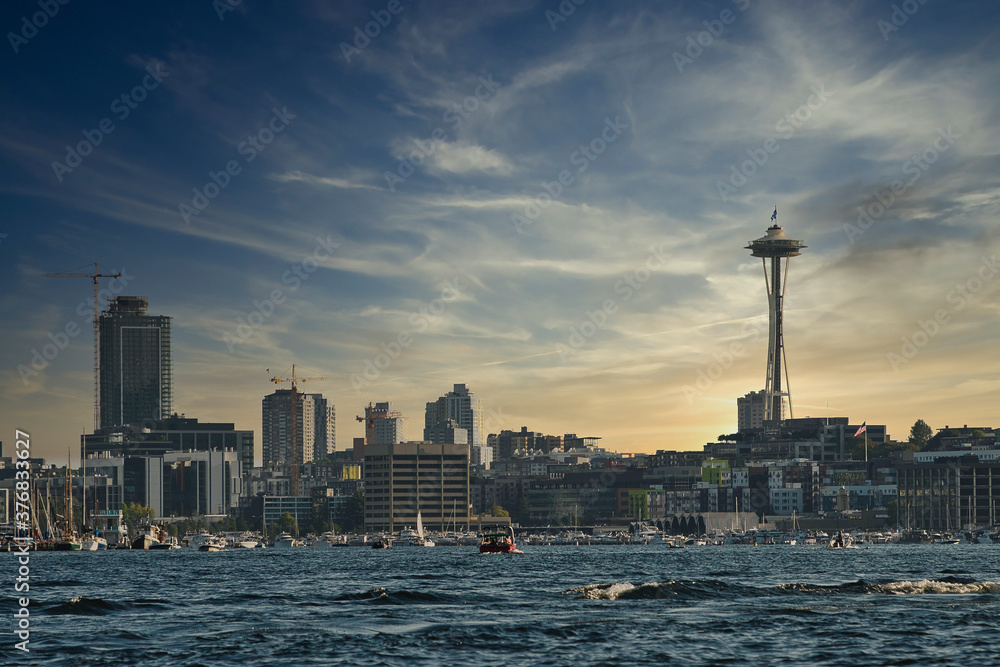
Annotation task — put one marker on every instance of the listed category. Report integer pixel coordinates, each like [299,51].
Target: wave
[625,590]
[383,596]
[706,589]
[99,606]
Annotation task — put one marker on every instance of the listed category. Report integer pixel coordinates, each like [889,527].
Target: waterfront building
[315,427]
[404,478]
[172,483]
[460,405]
[173,434]
[135,367]
[945,491]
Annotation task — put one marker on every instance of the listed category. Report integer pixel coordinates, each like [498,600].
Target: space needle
[775,246]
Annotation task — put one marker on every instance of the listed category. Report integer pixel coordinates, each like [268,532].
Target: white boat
[167,544]
[841,541]
[212,543]
[422,540]
[93,542]
[195,540]
[286,541]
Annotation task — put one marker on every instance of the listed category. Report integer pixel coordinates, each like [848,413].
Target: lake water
[587,605]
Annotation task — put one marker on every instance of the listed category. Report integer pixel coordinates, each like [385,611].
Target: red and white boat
[498,542]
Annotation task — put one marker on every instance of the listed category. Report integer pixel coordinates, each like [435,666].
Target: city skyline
[549,207]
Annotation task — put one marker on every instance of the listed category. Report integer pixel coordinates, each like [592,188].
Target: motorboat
[147,537]
[286,541]
[92,542]
[166,544]
[498,542]
[212,543]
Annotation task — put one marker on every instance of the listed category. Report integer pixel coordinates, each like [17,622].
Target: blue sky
[551,211]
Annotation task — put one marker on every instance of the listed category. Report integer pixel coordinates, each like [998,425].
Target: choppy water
[883,605]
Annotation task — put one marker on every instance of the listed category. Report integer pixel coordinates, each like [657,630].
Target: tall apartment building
[315,425]
[386,424]
[402,479]
[750,411]
[135,369]
[460,405]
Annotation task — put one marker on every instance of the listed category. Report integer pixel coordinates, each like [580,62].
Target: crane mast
[97,333]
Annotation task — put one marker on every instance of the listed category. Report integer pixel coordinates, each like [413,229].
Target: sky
[546,201]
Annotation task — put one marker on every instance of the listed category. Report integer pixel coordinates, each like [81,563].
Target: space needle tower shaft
[775,247]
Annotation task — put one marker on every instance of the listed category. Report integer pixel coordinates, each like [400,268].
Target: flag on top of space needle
[774,216]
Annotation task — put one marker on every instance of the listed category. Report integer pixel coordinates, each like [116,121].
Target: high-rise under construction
[135,367]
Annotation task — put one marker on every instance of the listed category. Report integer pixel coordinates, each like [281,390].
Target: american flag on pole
[862,429]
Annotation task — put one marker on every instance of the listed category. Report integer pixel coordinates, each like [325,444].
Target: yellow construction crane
[294,455]
[97,334]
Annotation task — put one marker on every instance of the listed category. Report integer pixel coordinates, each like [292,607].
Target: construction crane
[294,455]
[372,414]
[97,333]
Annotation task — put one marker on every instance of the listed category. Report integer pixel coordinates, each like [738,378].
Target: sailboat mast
[69,494]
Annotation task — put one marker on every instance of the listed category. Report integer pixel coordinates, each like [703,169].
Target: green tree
[495,510]
[920,434]
[133,513]
[522,511]
[351,515]
[286,524]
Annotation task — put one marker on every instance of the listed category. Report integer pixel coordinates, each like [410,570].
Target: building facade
[135,367]
[404,478]
[460,405]
[949,493]
[750,411]
[315,425]
[173,434]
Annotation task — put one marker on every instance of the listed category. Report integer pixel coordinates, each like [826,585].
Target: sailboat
[69,540]
[421,540]
[92,540]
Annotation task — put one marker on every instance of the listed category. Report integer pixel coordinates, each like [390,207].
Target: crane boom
[97,325]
